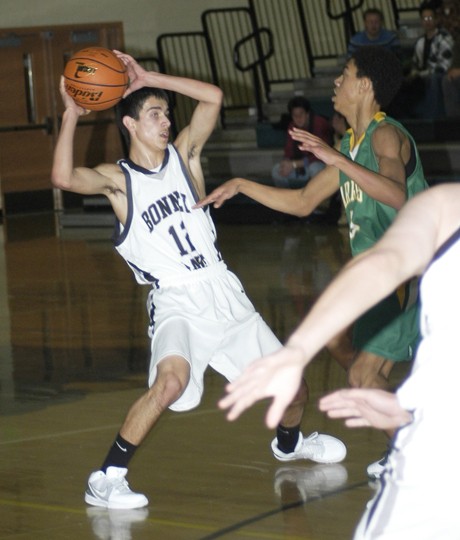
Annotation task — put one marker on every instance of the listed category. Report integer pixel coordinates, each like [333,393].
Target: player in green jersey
[377,170]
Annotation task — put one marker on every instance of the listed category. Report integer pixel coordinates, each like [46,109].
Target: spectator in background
[450,15]
[431,60]
[449,11]
[374,34]
[297,166]
[339,125]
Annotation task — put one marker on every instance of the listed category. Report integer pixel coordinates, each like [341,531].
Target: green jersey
[368,218]
[391,328]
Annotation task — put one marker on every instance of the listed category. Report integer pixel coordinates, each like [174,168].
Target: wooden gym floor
[73,358]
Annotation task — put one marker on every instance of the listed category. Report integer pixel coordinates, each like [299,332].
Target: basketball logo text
[89,96]
[84,70]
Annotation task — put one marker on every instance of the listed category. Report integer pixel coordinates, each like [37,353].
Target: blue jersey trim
[120,235]
[186,174]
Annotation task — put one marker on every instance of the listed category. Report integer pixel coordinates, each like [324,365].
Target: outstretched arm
[297,202]
[404,251]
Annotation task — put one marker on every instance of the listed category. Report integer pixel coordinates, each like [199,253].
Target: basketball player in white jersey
[418,495]
[199,313]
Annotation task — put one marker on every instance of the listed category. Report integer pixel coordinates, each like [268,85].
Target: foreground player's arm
[297,202]
[390,146]
[404,251]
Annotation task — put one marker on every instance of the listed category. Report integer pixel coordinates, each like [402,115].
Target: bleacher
[261,55]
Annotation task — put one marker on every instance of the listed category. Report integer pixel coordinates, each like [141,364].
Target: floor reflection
[74,355]
[71,310]
[109,524]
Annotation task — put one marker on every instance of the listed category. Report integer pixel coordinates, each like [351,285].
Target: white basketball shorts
[208,320]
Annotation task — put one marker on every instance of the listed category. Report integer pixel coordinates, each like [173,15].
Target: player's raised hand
[217,197]
[276,376]
[315,145]
[136,73]
[68,101]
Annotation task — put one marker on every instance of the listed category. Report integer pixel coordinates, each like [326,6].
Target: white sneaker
[317,447]
[376,469]
[111,490]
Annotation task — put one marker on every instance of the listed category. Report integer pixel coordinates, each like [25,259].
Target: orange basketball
[95,78]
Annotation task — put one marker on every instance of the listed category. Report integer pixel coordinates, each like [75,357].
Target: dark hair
[429,4]
[299,101]
[373,11]
[132,104]
[383,68]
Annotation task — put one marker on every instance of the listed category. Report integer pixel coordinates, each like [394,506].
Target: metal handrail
[346,15]
[223,28]
[255,64]
[47,126]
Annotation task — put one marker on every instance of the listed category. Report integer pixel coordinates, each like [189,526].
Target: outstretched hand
[364,407]
[217,197]
[277,376]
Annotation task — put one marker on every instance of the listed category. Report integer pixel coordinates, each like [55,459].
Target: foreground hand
[364,407]
[278,376]
[226,191]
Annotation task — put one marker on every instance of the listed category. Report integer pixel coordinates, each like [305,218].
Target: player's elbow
[302,212]
[219,96]
[303,207]
[398,200]
[60,180]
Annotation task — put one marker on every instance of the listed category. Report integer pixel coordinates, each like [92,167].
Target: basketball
[95,78]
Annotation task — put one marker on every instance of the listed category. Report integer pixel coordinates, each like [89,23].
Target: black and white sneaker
[316,447]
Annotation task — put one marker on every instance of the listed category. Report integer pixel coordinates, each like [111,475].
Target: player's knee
[362,378]
[355,377]
[170,386]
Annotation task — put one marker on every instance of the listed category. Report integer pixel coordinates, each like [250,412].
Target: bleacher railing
[251,51]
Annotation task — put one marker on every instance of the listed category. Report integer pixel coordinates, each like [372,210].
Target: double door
[32,61]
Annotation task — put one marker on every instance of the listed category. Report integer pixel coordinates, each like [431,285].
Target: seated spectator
[431,61]
[421,94]
[298,167]
[339,125]
[374,34]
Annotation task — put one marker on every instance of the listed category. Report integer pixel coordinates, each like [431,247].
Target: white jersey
[419,495]
[165,241]
[198,309]
[438,352]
